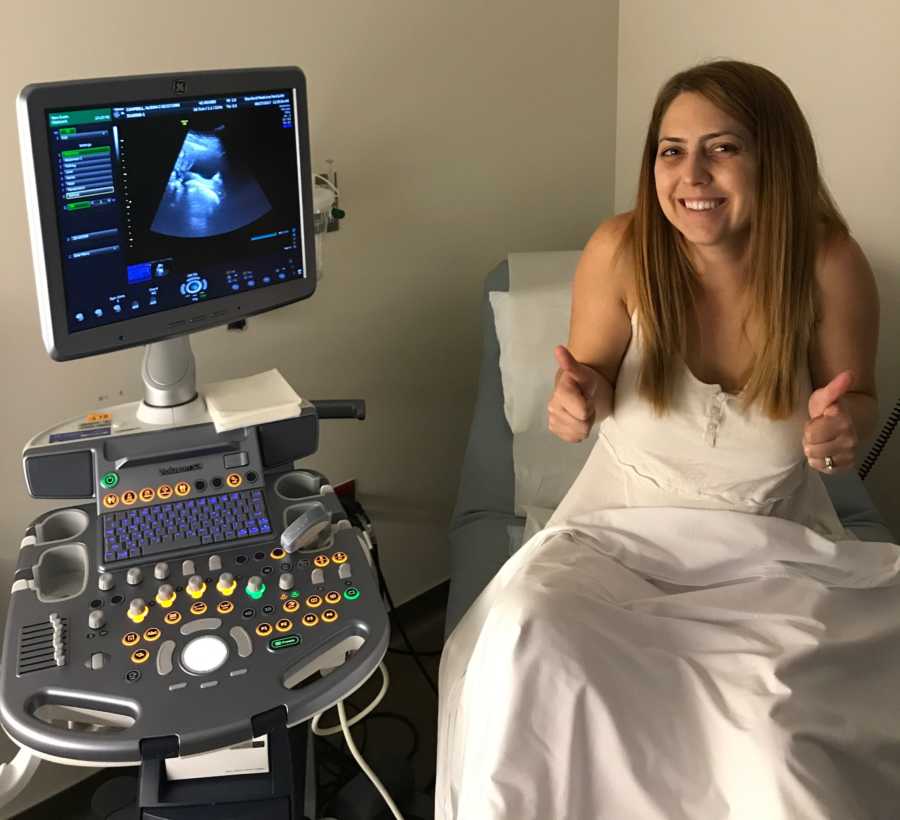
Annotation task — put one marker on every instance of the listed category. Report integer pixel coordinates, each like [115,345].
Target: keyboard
[212,519]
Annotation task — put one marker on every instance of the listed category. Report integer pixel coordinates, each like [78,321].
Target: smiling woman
[729,163]
[689,635]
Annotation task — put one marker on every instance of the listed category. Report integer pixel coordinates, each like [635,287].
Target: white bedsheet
[672,663]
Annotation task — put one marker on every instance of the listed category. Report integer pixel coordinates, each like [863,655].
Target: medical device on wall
[191,563]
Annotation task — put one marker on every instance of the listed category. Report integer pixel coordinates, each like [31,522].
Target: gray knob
[96,619]
[166,592]
[254,583]
[161,571]
[137,606]
[135,576]
[286,581]
[187,568]
[106,581]
[215,563]
[195,583]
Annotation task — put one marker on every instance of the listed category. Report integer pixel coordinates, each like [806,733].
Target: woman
[681,640]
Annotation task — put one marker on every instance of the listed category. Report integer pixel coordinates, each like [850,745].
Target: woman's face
[704,156]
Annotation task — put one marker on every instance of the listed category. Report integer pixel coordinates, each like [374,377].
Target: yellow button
[226,590]
[172,617]
[264,630]
[321,560]
[164,491]
[196,593]
[198,608]
[339,557]
[137,618]
[225,607]
[130,639]
[182,488]
[314,601]
[233,480]
[147,494]
[165,602]
[332,598]
[129,497]
[152,634]
[110,500]
[284,625]
[140,656]
[329,616]
[291,605]
[310,619]
[277,554]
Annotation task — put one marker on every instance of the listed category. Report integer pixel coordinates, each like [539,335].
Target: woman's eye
[726,145]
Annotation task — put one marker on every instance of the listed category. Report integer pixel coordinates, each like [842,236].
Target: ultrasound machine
[194,591]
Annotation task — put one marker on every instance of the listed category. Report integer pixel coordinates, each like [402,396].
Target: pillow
[530,320]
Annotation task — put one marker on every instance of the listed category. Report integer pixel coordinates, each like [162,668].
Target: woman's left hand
[829,439]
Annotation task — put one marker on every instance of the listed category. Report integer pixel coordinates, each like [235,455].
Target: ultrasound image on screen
[210,191]
[201,186]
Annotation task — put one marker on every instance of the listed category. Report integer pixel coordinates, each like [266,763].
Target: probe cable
[351,745]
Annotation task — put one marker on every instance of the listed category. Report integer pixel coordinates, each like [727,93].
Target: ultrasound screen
[168,203]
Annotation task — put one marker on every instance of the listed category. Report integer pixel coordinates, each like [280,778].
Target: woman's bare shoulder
[610,247]
[842,270]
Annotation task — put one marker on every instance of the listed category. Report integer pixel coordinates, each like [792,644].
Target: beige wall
[842,63]
[462,131]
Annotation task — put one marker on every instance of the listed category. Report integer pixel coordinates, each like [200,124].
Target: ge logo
[179,86]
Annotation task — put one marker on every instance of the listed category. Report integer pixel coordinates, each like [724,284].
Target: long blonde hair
[791,201]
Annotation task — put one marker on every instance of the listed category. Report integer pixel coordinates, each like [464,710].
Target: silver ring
[829,464]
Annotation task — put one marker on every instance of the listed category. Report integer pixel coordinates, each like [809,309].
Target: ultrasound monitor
[165,204]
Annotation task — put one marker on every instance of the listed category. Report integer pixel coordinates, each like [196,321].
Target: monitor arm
[170,385]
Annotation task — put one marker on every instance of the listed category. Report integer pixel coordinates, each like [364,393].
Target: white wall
[462,131]
[841,61]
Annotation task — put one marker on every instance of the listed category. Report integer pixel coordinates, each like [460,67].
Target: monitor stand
[170,385]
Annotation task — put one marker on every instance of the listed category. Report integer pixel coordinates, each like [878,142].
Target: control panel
[185,643]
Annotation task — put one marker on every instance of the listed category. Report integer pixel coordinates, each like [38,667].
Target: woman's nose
[694,168]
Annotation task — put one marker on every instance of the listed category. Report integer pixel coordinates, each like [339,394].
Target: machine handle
[124,746]
[340,408]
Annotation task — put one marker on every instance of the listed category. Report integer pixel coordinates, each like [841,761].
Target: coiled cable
[880,442]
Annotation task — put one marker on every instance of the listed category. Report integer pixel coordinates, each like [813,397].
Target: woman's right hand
[572,409]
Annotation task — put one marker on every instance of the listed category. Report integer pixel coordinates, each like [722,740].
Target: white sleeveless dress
[707,453]
[693,636]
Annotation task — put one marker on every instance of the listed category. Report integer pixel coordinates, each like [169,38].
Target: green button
[284,642]
[110,480]
[258,594]
[351,593]
[295,594]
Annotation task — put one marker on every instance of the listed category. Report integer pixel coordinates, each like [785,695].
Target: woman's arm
[846,338]
[599,331]
[600,326]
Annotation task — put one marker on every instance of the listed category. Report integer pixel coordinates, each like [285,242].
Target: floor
[402,727]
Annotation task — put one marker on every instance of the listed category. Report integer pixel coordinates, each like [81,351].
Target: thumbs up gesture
[572,410]
[829,439]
